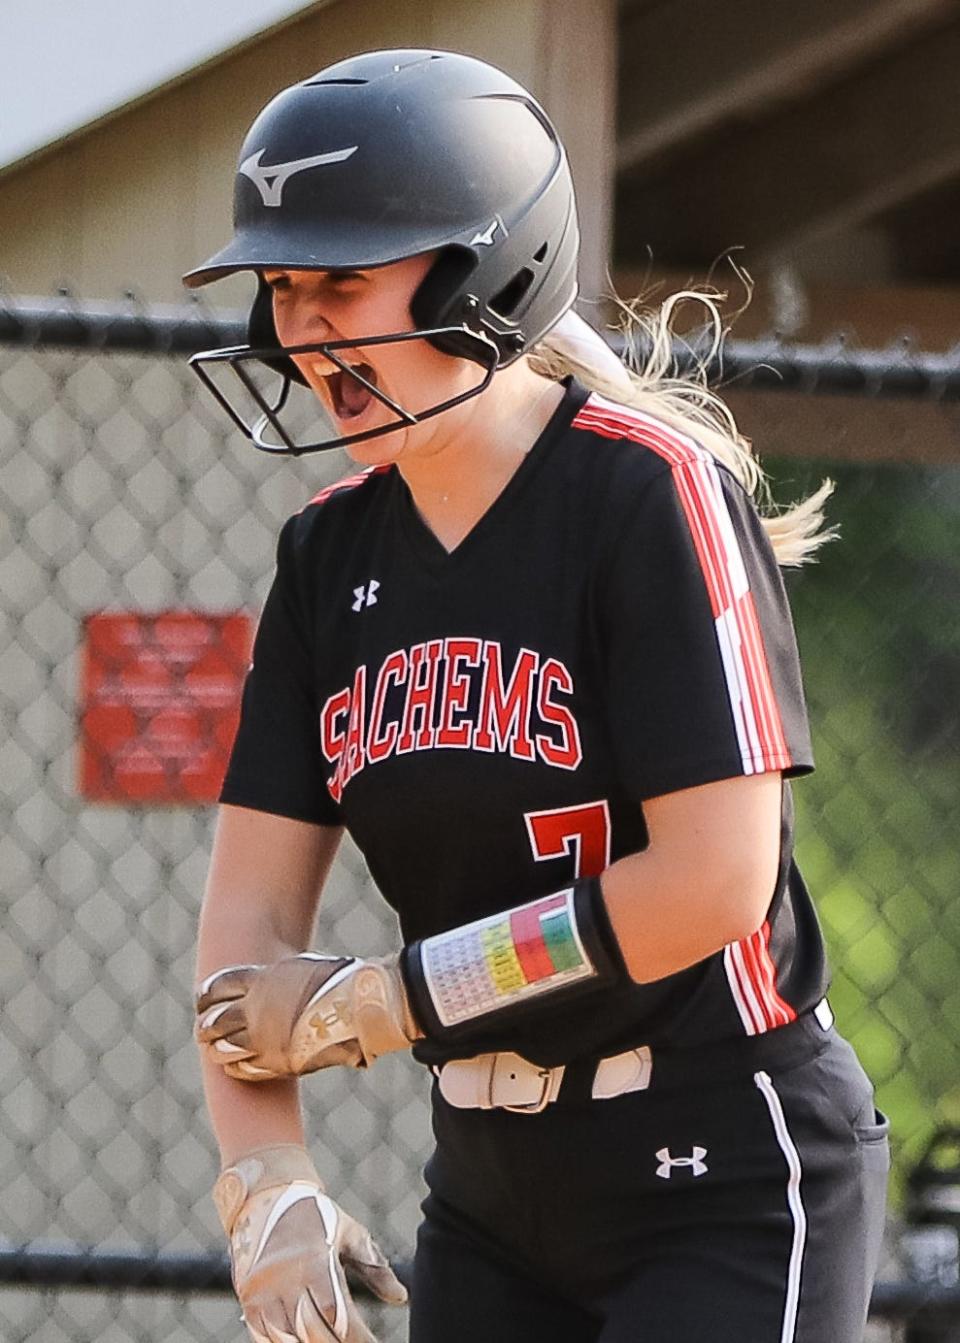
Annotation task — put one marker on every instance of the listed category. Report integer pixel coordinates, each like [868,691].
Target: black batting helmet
[392,154]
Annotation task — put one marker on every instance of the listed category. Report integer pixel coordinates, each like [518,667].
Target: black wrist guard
[560,946]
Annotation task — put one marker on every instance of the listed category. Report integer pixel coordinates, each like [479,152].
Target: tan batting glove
[303,1013]
[289,1243]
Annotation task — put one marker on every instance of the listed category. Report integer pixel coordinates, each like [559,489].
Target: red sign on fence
[160,697]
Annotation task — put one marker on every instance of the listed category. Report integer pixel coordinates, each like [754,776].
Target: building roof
[67,66]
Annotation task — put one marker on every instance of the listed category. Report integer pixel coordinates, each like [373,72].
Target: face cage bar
[237,355]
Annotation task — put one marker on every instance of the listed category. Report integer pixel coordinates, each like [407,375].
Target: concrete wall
[137,200]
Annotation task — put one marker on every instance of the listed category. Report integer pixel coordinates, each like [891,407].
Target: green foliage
[879,629]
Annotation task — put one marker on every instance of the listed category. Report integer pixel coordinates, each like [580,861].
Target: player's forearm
[245,1117]
[705,881]
[265,876]
[664,923]
[238,932]
[263,887]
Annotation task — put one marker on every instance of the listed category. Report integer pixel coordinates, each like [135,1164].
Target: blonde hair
[649,380]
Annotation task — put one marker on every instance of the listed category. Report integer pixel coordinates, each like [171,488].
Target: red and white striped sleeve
[702,672]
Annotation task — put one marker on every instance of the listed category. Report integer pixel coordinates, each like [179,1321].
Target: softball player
[536,656]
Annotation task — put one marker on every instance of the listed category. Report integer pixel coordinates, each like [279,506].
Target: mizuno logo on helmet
[270,179]
[485,237]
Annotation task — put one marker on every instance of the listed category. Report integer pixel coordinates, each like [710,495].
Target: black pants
[739,1200]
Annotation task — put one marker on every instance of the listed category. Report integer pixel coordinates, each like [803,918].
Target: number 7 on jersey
[581,833]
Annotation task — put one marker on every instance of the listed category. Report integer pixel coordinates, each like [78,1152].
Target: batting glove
[303,1013]
[289,1243]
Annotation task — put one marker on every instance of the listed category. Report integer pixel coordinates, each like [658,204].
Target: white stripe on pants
[794,1202]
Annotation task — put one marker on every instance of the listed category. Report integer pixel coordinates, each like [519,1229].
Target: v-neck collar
[424,542]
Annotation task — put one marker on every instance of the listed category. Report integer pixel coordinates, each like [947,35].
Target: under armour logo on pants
[669,1163]
[366,595]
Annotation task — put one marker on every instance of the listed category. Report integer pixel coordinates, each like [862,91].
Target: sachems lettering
[453,694]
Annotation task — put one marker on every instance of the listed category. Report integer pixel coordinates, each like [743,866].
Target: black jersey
[487,723]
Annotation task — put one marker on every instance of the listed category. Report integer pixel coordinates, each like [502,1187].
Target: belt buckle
[550,1079]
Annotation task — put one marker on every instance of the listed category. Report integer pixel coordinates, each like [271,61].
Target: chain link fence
[125,491]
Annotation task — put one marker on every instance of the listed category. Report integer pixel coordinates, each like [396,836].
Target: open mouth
[348,396]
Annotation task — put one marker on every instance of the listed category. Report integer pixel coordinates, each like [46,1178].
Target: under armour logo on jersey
[270,179]
[366,595]
[669,1163]
[485,238]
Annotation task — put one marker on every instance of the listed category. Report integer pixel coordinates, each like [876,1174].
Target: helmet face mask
[385,157]
[257,413]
